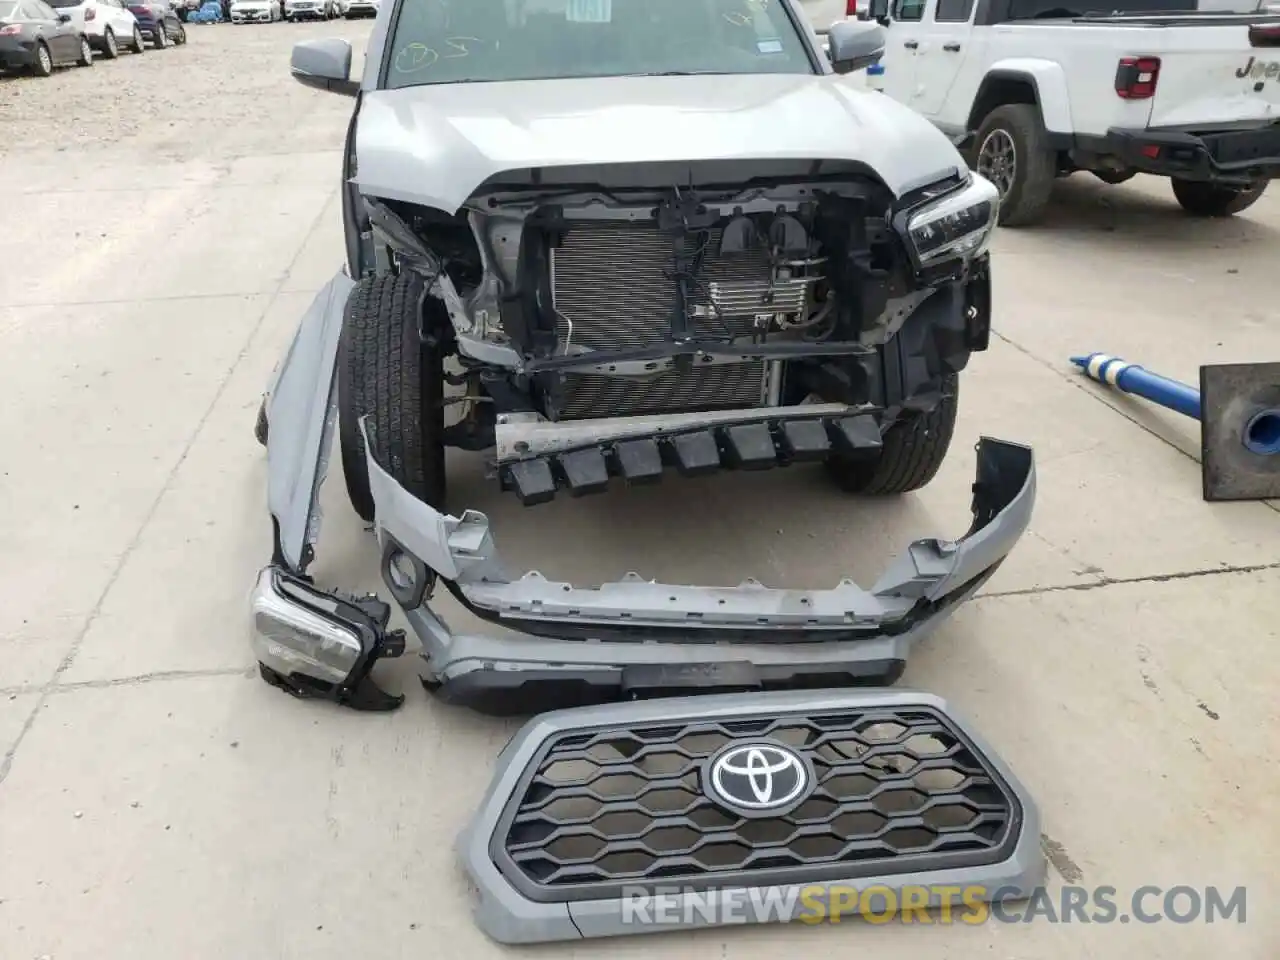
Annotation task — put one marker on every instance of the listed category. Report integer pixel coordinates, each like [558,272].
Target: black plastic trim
[777,876]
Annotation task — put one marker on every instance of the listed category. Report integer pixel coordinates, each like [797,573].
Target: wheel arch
[1040,83]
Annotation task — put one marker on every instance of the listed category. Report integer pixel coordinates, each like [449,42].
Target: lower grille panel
[895,791]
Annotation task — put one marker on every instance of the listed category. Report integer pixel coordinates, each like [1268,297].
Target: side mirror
[325,65]
[855,45]
[879,12]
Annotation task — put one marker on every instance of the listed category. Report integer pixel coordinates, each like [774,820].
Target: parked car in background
[309,10]
[348,9]
[108,24]
[184,8]
[35,37]
[256,11]
[157,22]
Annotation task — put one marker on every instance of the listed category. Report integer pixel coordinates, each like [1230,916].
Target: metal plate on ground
[1232,398]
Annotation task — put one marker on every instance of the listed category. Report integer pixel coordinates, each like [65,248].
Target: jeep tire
[913,451]
[1012,150]
[386,372]
[1201,199]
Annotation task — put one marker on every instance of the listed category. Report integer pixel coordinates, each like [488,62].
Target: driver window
[908,10]
[953,11]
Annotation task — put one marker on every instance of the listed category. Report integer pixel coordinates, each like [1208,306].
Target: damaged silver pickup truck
[625,240]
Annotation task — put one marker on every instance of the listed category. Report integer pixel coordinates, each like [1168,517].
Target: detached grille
[612,285]
[895,791]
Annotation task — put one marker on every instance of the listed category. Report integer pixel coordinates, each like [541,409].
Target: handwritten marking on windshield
[414,57]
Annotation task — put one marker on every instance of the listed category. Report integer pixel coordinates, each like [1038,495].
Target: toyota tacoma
[615,240]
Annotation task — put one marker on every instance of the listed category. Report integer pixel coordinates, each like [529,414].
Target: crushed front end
[601,324]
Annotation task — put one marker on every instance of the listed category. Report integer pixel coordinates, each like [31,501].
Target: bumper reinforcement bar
[622,819]
[535,458]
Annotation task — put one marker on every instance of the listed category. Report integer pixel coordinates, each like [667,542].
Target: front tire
[912,453]
[43,67]
[1201,199]
[110,49]
[385,371]
[1012,151]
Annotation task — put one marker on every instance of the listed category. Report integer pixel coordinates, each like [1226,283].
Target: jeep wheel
[912,453]
[385,371]
[1012,151]
[1202,199]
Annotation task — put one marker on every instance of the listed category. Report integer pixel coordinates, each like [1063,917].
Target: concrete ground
[168,217]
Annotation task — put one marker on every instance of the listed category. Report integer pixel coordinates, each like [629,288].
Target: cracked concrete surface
[157,801]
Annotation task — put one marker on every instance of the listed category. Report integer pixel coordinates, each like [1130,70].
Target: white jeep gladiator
[1033,90]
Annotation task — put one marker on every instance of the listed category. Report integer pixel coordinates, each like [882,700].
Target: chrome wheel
[45,61]
[998,160]
[86,52]
[112,47]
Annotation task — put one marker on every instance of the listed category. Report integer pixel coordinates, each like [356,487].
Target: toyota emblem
[758,779]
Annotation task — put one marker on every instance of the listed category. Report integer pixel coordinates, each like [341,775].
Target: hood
[436,144]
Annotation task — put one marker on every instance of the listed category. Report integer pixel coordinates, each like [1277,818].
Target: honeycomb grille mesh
[627,806]
[612,281]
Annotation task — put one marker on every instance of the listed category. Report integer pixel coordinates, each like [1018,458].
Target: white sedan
[256,11]
[107,24]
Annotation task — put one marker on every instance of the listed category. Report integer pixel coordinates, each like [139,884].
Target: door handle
[951,47]
[911,44]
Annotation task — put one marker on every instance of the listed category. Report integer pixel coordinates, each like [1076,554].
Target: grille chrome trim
[507,913]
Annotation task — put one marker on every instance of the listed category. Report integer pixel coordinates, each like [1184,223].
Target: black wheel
[1012,151]
[136,44]
[1202,199]
[260,428]
[387,373]
[912,453]
[161,36]
[86,53]
[110,49]
[43,66]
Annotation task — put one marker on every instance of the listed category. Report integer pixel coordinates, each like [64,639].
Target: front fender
[1049,81]
[302,411]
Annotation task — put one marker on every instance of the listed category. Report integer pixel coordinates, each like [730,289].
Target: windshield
[461,41]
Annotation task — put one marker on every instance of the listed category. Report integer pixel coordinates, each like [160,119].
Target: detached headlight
[956,225]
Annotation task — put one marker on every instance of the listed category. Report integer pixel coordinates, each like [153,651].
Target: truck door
[945,39]
[903,32]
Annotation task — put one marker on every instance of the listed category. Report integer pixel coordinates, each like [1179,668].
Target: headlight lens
[957,225]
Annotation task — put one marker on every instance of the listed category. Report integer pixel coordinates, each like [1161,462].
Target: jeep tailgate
[1211,74]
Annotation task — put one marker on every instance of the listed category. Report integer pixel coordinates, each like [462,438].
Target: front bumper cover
[583,799]
[564,643]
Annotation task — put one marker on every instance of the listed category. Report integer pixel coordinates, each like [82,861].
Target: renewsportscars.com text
[934,905]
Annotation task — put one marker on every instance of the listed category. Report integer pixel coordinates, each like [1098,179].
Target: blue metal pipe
[1131,378]
[1261,433]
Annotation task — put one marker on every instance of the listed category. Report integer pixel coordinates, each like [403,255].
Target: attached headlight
[954,226]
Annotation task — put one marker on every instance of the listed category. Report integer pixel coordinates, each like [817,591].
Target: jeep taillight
[1264,35]
[851,8]
[1136,78]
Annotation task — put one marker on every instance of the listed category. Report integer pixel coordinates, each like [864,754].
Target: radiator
[612,286]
